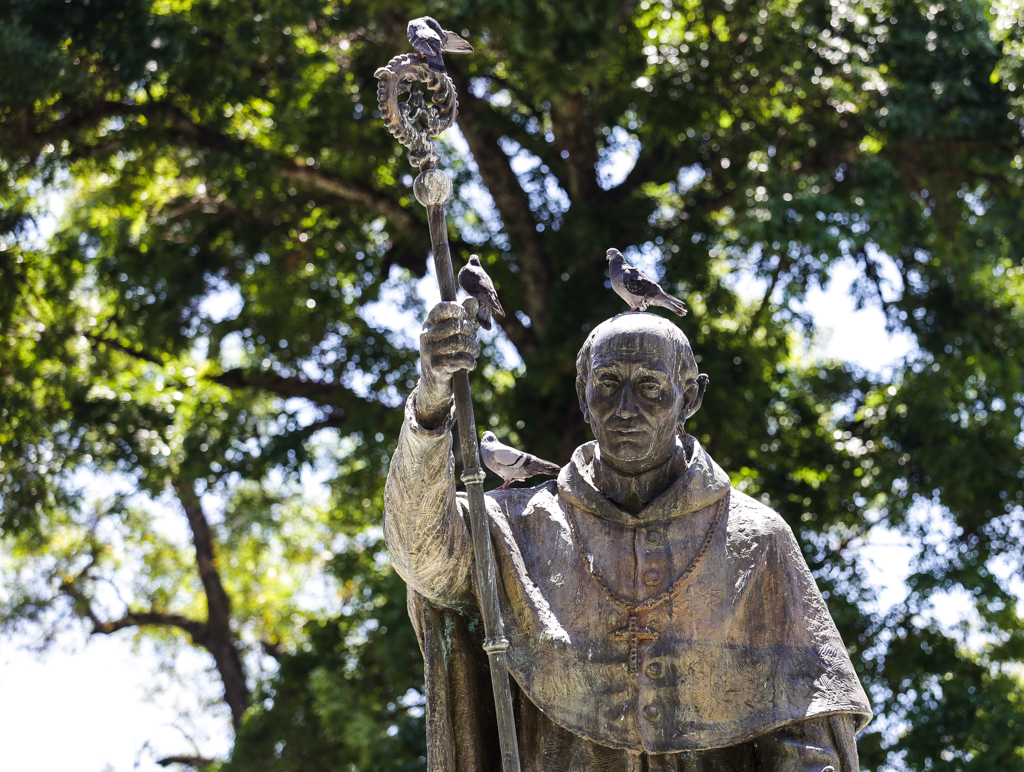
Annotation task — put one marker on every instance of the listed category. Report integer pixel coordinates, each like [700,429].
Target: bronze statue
[658,619]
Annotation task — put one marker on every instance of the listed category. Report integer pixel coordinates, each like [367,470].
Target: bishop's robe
[688,636]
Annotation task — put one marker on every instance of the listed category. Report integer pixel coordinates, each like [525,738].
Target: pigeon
[427,37]
[638,289]
[511,464]
[475,281]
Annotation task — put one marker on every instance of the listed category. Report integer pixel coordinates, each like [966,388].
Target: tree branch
[188,761]
[755,318]
[69,586]
[214,634]
[219,638]
[289,169]
[503,125]
[195,629]
[575,132]
[512,203]
[95,341]
[328,394]
[75,122]
[315,179]
[183,130]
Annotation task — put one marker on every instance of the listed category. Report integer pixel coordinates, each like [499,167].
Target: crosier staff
[413,123]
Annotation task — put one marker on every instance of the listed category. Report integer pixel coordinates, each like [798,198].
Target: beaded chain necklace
[633,633]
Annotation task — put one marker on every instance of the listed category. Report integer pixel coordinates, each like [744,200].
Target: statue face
[631,399]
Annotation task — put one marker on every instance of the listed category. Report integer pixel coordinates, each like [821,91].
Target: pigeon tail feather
[483,316]
[671,303]
[454,44]
[540,466]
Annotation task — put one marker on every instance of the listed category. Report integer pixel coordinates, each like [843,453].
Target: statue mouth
[632,429]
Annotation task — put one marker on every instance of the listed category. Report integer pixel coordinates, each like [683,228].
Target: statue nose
[627,406]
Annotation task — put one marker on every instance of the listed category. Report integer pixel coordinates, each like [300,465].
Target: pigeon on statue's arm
[430,39]
[511,464]
[637,288]
[477,284]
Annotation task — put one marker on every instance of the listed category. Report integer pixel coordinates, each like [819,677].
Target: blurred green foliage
[227,307]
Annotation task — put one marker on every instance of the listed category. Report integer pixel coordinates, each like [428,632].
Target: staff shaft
[495,644]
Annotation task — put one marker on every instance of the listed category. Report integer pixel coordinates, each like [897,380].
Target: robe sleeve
[430,544]
[820,744]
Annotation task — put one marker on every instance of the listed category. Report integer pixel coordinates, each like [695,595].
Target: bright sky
[98,706]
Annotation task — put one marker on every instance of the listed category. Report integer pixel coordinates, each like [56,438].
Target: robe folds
[687,636]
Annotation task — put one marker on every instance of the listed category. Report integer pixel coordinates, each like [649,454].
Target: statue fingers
[455,346]
[443,311]
[448,341]
[455,362]
[447,328]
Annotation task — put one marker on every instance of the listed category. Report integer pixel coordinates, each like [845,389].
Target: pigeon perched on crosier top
[476,283]
[427,37]
[637,288]
[511,464]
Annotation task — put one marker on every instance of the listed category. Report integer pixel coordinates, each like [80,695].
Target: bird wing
[477,283]
[637,282]
[511,464]
[455,44]
[483,316]
[488,294]
[424,39]
[504,456]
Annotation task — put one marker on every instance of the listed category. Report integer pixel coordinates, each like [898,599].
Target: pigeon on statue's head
[511,464]
[637,288]
[428,37]
[476,283]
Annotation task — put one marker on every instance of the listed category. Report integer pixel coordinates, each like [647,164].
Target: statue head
[636,380]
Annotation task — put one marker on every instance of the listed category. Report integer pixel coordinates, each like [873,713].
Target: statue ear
[700,383]
[581,392]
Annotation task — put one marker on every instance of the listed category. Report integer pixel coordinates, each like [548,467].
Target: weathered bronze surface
[658,619]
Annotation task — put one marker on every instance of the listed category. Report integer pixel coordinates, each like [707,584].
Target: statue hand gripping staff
[413,123]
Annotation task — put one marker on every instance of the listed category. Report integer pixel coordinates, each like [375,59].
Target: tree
[217,316]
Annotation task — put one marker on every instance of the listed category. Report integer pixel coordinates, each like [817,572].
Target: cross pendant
[635,634]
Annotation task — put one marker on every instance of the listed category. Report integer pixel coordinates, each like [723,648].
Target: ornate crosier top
[414,122]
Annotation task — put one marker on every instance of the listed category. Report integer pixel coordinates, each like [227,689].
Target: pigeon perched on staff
[637,288]
[511,464]
[476,283]
[427,37]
